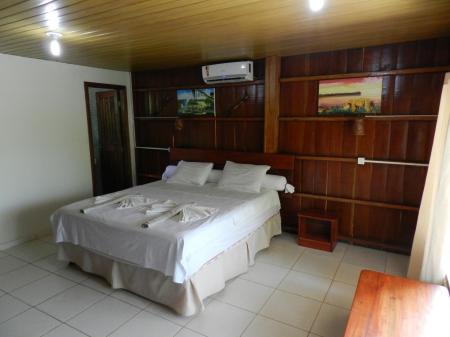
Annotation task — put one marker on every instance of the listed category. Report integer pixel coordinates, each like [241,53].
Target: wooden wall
[238,125]
[377,204]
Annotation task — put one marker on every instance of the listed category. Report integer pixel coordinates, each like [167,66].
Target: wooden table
[391,306]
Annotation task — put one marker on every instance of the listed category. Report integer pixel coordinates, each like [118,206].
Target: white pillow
[190,173]
[274,182]
[270,181]
[242,177]
[168,172]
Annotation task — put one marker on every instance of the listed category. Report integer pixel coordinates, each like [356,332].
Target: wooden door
[112,144]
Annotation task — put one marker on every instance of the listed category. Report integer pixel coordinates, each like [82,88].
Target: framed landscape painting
[196,102]
[350,96]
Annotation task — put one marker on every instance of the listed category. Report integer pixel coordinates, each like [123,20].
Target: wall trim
[23,239]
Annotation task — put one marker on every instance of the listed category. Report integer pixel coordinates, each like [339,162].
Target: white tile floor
[291,291]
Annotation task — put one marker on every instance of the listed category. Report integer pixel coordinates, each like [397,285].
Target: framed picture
[350,96]
[196,101]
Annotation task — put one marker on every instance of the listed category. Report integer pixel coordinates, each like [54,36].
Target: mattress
[175,249]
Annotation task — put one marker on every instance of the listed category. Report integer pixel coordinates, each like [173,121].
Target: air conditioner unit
[228,72]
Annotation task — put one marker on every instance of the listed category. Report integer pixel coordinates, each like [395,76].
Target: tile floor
[291,291]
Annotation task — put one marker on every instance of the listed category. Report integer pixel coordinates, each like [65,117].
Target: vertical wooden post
[271,103]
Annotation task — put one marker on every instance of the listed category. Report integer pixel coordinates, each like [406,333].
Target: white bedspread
[174,248]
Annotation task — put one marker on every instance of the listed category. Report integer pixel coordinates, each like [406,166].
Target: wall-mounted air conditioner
[228,72]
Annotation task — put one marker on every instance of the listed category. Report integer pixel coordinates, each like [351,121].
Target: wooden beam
[271,103]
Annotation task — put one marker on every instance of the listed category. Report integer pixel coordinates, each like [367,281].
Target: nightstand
[317,229]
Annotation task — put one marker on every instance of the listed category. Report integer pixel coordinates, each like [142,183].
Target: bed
[176,265]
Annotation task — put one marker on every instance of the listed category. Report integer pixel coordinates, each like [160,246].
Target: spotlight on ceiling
[316,5]
[55,46]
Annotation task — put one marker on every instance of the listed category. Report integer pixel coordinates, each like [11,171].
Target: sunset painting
[351,96]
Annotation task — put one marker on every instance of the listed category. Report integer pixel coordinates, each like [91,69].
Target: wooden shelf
[205,118]
[200,86]
[328,158]
[352,118]
[368,161]
[403,117]
[317,229]
[409,71]
[359,202]
[155,118]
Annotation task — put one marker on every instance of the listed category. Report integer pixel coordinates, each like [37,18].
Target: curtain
[430,256]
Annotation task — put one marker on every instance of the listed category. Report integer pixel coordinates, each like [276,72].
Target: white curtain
[430,256]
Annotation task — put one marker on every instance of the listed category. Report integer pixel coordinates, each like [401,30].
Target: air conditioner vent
[228,72]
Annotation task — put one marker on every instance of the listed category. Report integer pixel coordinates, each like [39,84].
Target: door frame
[123,110]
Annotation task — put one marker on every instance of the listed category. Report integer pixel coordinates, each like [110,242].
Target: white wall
[44,146]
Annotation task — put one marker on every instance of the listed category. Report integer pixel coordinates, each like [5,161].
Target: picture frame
[350,96]
[196,102]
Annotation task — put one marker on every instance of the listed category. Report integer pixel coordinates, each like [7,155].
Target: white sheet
[173,248]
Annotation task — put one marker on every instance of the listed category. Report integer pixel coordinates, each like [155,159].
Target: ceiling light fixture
[52,17]
[55,46]
[316,5]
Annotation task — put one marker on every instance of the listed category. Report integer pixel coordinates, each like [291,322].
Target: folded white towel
[135,201]
[106,203]
[160,207]
[194,213]
[164,216]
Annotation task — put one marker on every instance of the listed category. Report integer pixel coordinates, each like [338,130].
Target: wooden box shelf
[317,229]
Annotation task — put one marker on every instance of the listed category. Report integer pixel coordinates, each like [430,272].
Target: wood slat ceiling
[138,34]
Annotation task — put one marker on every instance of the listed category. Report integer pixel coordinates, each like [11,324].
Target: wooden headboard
[218,157]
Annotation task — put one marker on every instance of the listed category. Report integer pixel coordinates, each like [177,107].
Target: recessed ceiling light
[55,46]
[316,5]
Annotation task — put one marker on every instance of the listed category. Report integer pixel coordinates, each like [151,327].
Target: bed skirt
[187,298]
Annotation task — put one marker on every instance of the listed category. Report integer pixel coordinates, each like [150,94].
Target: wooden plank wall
[377,204]
[238,125]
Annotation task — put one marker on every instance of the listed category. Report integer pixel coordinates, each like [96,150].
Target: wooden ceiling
[139,34]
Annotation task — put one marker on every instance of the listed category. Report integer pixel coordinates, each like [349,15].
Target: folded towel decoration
[135,201]
[124,201]
[90,209]
[158,210]
[165,215]
[188,213]
[160,207]
[194,212]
